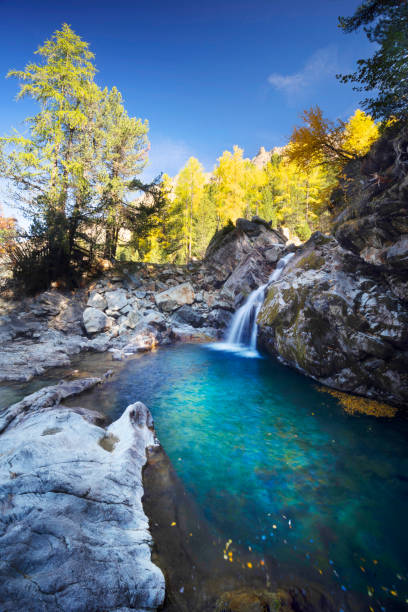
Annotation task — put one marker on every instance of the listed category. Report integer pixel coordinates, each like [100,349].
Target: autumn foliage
[7,232]
[321,141]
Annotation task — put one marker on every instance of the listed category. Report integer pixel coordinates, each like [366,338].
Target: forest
[75,174]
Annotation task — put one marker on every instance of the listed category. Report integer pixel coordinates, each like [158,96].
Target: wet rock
[175,297]
[96,321]
[45,398]
[20,360]
[73,532]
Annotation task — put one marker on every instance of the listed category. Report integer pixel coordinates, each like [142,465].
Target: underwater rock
[252,600]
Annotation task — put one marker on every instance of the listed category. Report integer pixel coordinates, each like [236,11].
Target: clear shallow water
[278,467]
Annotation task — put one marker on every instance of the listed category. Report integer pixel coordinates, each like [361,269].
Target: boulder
[116,299]
[96,300]
[188,315]
[219,317]
[140,342]
[154,318]
[133,318]
[175,297]
[74,535]
[96,321]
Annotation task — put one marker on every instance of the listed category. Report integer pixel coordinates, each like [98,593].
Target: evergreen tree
[385,23]
[123,145]
[75,172]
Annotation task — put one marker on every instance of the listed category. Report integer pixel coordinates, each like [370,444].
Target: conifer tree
[188,194]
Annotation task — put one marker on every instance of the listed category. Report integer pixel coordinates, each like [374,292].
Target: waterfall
[242,334]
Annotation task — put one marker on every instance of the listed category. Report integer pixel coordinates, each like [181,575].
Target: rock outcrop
[73,533]
[240,257]
[339,313]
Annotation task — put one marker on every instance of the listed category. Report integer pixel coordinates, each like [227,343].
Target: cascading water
[242,333]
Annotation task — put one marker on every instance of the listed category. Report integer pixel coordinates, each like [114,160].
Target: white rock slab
[73,533]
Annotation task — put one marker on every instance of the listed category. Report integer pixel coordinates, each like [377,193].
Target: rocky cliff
[339,313]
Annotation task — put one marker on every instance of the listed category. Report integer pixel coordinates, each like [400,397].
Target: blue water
[280,468]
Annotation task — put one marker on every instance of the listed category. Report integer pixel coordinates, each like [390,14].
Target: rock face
[73,532]
[337,319]
[239,245]
[340,311]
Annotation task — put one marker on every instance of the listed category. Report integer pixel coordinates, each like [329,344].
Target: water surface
[278,467]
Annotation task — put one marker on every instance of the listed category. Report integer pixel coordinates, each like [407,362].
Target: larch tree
[49,167]
[360,133]
[188,194]
[321,141]
[123,148]
[230,176]
[75,172]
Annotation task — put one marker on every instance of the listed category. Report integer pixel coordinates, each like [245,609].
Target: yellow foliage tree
[360,132]
[188,194]
[321,141]
[230,176]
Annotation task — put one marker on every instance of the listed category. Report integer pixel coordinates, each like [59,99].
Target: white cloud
[322,63]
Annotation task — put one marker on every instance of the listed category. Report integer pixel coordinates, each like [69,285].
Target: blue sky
[206,75]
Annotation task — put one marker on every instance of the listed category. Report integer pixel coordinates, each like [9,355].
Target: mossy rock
[311,261]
